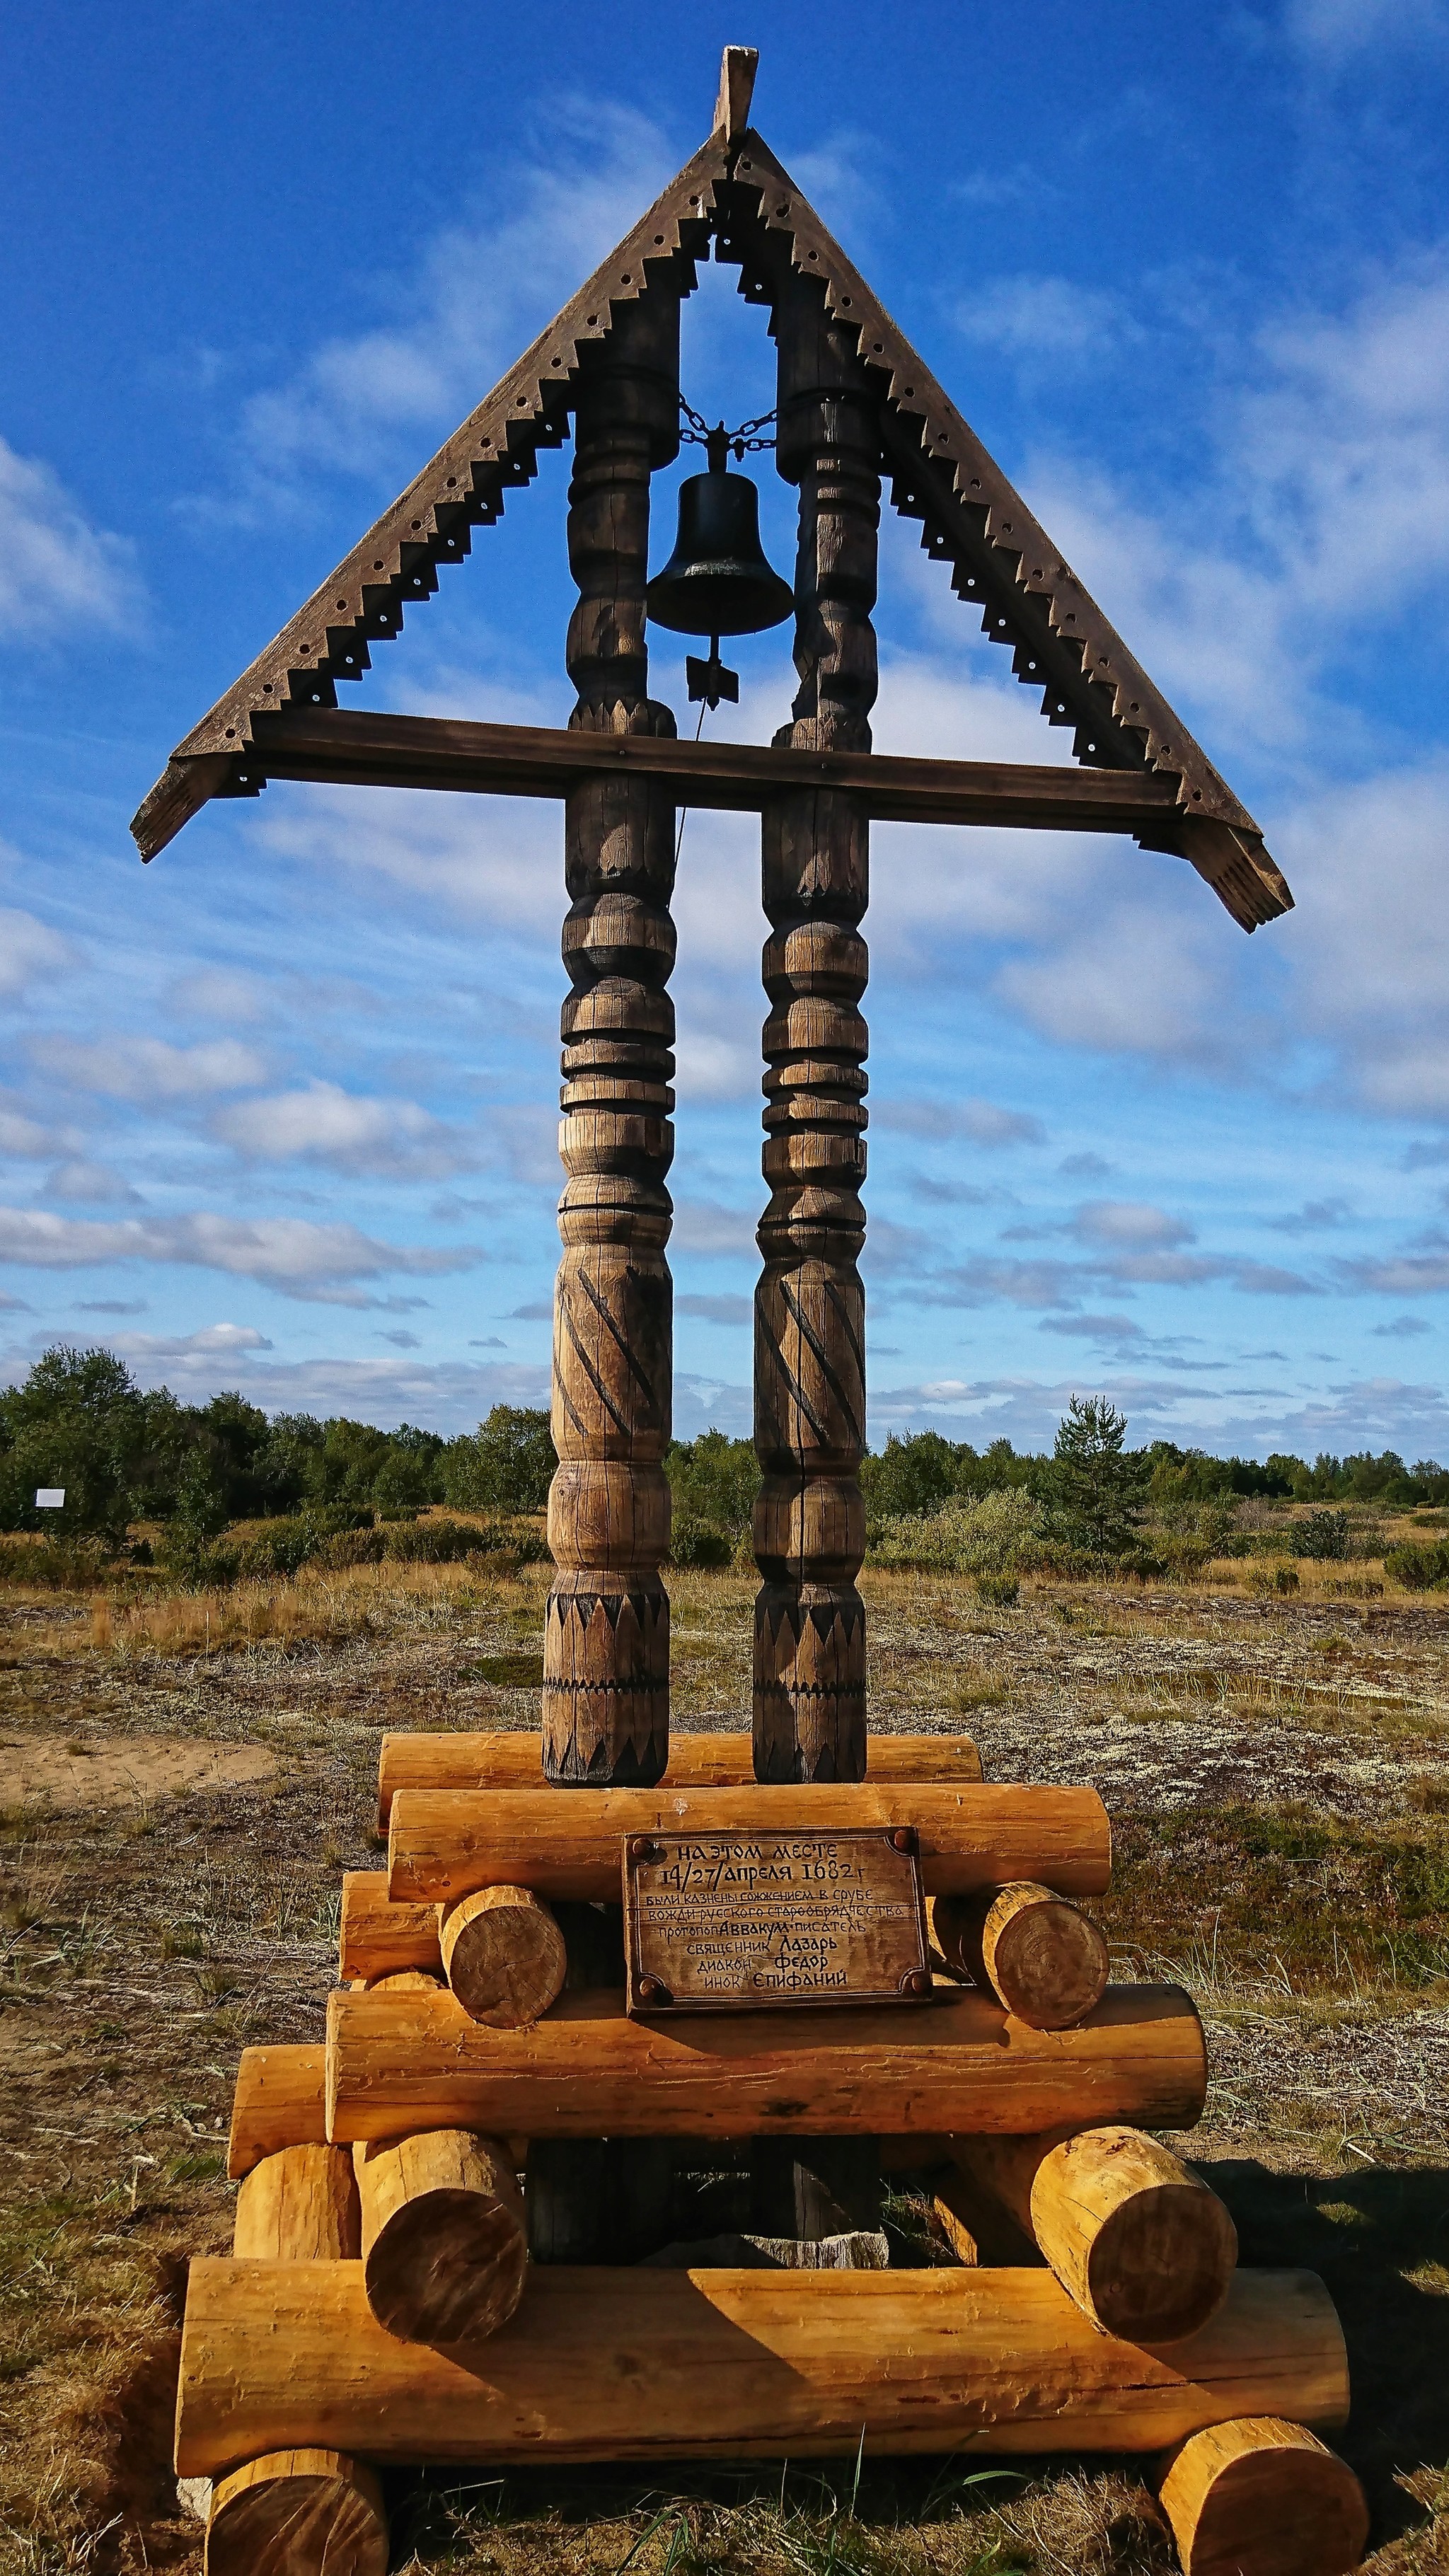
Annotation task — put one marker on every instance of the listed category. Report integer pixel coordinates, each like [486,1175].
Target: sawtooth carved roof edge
[1001,558]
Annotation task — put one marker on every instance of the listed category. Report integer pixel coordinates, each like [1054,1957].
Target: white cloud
[704,1227]
[477,294]
[218,993]
[29,951]
[716,1310]
[1045,318]
[325,1124]
[58,574]
[289,1254]
[1322,497]
[489,858]
[1337,30]
[213,1342]
[1372,942]
[982,1122]
[146,1070]
[1130,1223]
[25,1137]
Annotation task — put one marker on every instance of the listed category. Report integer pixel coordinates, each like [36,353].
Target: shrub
[1326,1537]
[1419,1569]
[1285,1578]
[999,1591]
[54,1565]
[713,1480]
[1001,1532]
[696,1542]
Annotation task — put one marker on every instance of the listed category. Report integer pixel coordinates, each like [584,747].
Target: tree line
[121,1454]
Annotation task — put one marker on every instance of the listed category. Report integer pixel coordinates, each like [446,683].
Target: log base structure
[463,2236]
[537,2200]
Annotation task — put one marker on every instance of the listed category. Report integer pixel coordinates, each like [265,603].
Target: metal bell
[718,580]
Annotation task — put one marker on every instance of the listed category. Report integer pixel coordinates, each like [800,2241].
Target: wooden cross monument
[855,404]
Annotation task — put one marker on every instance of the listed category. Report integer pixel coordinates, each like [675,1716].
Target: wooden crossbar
[350,747]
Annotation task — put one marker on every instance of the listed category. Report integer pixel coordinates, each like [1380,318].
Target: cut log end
[1161,2264]
[298,2513]
[1135,2236]
[505,1956]
[299,2206]
[1261,2497]
[1044,1958]
[444,2239]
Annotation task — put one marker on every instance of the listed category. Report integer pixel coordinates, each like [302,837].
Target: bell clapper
[711,680]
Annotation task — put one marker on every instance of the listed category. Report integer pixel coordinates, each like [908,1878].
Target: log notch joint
[606,1629]
[810,1670]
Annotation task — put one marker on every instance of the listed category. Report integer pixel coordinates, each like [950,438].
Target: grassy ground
[1278,1773]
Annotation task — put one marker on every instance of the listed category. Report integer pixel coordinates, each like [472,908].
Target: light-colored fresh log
[442,1844]
[975,2224]
[298,2206]
[404,1981]
[505,1956]
[1260,2497]
[376,1936]
[652,2364]
[278,2102]
[695,1762]
[444,2241]
[1137,2239]
[1037,1951]
[298,2513]
[956,2062]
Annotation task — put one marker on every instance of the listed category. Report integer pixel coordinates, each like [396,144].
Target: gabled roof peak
[734,195]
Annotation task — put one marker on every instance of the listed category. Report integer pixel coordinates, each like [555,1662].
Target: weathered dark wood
[809,1527]
[606,1626]
[360,747]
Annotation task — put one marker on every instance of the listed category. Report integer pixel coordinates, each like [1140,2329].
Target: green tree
[1097,1484]
[713,1479]
[505,1466]
[79,1422]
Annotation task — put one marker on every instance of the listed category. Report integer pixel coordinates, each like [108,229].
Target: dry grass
[1278,1772]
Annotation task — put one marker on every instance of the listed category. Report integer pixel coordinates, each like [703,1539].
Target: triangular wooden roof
[736,194]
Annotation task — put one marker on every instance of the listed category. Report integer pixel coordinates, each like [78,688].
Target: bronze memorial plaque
[737,1922]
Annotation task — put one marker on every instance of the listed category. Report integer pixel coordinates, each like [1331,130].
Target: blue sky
[279,1111]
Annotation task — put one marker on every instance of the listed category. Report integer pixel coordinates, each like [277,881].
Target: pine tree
[1097,1485]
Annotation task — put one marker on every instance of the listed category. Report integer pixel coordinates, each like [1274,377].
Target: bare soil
[183,1788]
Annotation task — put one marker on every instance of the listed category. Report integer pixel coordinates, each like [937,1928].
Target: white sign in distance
[50,1498]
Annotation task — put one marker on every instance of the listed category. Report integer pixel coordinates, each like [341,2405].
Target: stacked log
[1267,2496]
[1141,2244]
[444,2239]
[724,1761]
[1037,1952]
[295,2509]
[394,2296]
[443,1844]
[654,2364]
[298,2512]
[957,2062]
[503,1955]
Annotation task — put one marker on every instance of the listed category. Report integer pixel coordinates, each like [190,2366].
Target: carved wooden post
[606,1630]
[810,1673]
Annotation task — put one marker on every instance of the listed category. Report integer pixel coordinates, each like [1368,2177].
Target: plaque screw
[641,1848]
[916,1981]
[904,1838]
[653,1990]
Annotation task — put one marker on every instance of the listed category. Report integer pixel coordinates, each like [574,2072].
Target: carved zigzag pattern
[973,518]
